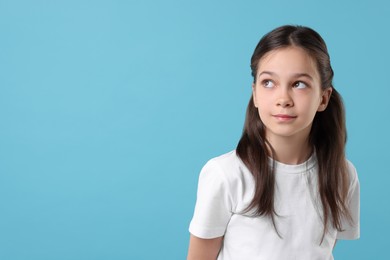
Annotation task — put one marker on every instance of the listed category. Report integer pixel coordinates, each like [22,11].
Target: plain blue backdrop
[109,109]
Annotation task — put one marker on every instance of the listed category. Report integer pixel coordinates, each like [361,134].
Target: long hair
[327,136]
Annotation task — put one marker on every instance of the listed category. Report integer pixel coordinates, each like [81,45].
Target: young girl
[287,191]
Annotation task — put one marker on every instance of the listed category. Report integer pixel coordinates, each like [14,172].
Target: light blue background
[109,109]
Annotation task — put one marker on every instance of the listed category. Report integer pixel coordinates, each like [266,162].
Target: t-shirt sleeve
[213,207]
[352,229]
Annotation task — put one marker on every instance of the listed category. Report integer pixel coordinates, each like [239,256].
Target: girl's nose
[284,99]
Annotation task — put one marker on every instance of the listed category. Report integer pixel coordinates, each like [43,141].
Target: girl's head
[314,51]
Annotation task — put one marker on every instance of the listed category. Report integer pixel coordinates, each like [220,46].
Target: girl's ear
[254,94]
[325,99]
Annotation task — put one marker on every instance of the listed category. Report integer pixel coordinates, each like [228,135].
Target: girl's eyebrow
[295,75]
[299,75]
[266,72]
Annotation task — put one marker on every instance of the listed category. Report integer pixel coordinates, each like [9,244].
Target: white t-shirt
[225,190]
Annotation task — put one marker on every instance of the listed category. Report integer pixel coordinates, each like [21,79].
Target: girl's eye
[300,84]
[267,83]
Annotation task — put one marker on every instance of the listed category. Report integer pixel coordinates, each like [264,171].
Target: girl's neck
[291,151]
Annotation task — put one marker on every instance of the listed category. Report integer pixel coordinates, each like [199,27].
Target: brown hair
[327,136]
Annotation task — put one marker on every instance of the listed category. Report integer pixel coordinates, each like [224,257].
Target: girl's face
[288,93]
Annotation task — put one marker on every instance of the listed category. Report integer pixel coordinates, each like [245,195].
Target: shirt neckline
[294,168]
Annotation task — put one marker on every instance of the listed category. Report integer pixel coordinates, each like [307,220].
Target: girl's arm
[204,249]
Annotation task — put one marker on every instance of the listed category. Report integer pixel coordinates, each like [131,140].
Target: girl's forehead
[293,59]
[290,51]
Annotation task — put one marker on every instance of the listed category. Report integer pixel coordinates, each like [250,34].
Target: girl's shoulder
[227,166]
[353,176]
[227,161]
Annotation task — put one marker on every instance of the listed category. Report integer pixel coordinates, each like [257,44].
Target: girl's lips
[284,117]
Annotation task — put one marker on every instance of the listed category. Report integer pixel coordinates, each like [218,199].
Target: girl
[287,191]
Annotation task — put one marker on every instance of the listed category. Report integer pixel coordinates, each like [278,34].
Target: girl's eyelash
[300,81]
[266,82]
